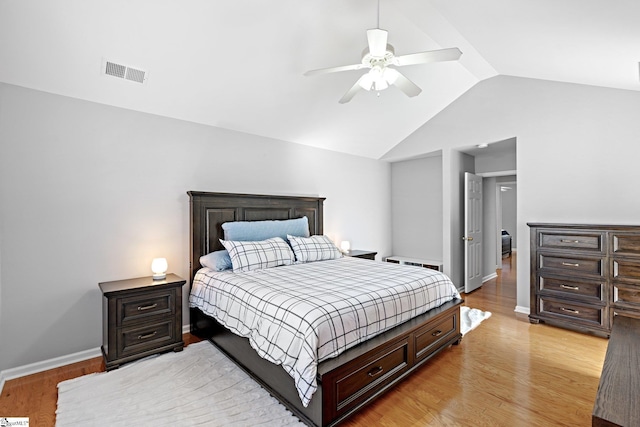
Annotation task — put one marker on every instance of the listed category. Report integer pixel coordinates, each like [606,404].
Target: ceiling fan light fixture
[366,81]
[377,74]
[390,75]
[380,84]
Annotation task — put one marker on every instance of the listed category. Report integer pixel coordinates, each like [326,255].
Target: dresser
[584,275]
[140,317]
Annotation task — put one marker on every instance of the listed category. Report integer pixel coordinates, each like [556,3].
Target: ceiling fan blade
[357,87]
[450,54]
[404,84]
[377,39]
[334,69]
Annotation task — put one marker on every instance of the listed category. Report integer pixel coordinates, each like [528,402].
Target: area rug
[198,386]
[470,318]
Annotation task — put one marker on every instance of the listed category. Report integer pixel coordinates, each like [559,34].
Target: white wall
[91,193]
[416,208]
[576,154]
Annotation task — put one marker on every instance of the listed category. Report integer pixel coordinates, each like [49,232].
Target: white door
[473,232]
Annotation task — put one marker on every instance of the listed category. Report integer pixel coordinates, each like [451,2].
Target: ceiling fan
[380,57]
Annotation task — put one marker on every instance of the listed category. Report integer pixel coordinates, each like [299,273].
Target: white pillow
[314,248]
[247,256]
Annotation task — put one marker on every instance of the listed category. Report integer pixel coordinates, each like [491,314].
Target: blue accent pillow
[255,231]
[217,260]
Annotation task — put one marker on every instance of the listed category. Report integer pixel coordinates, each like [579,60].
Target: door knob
[467,238]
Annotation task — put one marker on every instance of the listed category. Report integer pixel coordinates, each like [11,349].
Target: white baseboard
[56,362]
[489,277]
[45,365]
[522,310]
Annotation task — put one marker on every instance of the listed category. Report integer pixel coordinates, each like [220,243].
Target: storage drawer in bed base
[359,375]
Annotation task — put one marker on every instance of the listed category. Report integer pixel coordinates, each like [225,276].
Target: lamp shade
[159,267]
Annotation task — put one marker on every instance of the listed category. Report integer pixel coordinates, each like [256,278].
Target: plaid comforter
[299,315]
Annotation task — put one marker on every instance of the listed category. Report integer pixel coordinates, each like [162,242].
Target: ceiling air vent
[124,72]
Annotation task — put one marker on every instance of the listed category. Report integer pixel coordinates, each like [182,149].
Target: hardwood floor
[506,372]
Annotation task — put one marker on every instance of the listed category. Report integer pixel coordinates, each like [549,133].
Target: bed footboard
[358,376]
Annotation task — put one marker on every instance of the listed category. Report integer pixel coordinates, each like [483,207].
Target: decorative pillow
[261,230]
[247,256]
[314,248]
[217,260]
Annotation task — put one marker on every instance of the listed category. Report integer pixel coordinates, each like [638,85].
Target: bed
[344,383]
[506,243]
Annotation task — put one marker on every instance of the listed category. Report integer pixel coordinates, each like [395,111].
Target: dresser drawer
[593,242]
[368,375]
[625,243]
[627,296]
[574,289]
[134,340]
[572,265]
[587,315]
[429,338]
[625,270]
[139,307]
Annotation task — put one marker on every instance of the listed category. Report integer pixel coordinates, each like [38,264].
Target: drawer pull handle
[144,337]
[570,310]
[437,333]
[147,307]
[573,288]
[569,241]
[375,371]
[571,264]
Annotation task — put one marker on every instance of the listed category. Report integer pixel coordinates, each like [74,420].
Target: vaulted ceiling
[239,64]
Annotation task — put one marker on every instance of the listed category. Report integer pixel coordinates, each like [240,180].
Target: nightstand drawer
[134,308]
[134,340]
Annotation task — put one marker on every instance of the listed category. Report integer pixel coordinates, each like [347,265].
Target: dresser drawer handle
[144,337]
[571,264]
[569,241]
[147,307]
[437,333]
[375,371]
[573,288]
[570,310]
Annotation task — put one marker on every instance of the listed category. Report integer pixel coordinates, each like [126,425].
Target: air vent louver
[124,72]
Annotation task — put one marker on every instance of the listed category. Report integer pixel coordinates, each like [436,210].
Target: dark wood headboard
[208,211]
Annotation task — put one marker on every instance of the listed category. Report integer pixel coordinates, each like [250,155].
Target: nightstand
[362,254]
[140,317]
